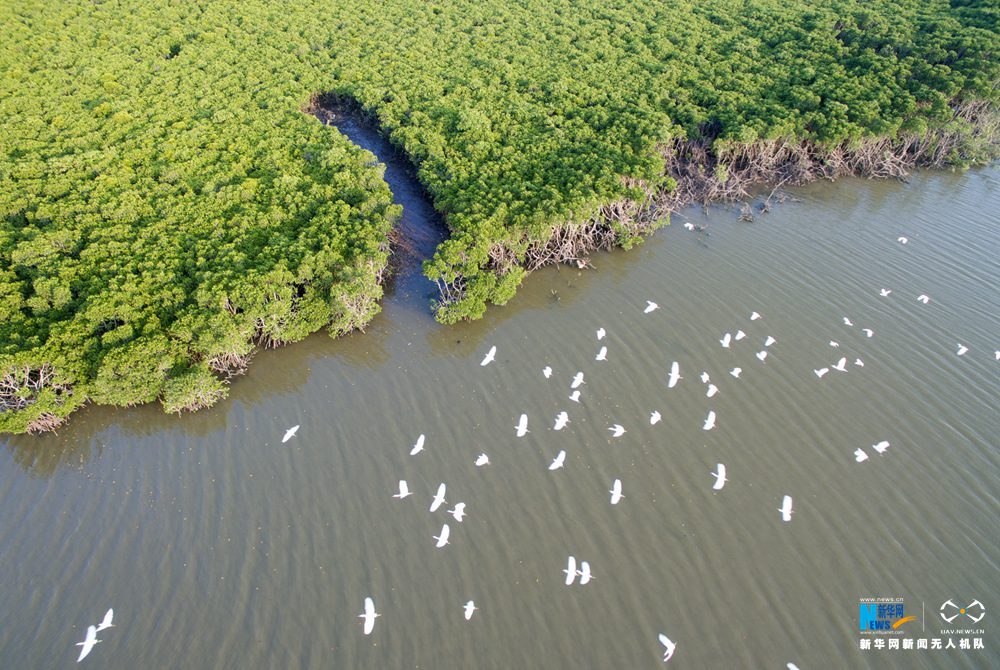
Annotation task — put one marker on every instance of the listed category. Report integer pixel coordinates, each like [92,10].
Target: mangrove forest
[169,201]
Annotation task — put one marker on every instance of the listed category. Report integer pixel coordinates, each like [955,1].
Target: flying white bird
[289,434]
[577,380]
[570,570]
[575,396]
[106,623]
[602,355]
[848,322]
[786,508]
[585,575]
[859,455]
[709,421]
[617,430]
[720,476]
[442,539]
[490,355]
[522,426]
[902,240]
[705,378]
[884,292]
[482,460]
[761,355]
[654,418]
[726,339]
[881,446]
[558,461]
[616,492]
[562,418]
[458,512]
[923,298]
[675,375]
[469,608]
[860,363]
[650,306]
[418,446]
[962,349]
[547,371]
[736,372]
[791,666]
[868,332]
[754,316]
[600,334]
[369,616]
[996,355]
[769,341]
[712,390]
[834,344]
[88,643]
[438,498]
[669,647]
[822,371]
[739,335]
[841,365]
[404,490]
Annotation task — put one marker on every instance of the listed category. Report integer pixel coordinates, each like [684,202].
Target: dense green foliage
[164,202]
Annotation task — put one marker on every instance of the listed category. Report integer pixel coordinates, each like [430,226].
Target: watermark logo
[881,615]
[974,610]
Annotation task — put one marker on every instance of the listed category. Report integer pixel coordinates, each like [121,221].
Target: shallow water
[220,547]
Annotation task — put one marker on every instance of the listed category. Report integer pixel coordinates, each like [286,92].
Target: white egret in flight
[369,616]
[669,647]
[106,623]
[720,476]
[786,508]
[458,512]
[88,643]
[616,492]
[570,570]
[442,539]
[675,375]
[438,498]
[562,418]
[404,490]
[522,425]
[490,355]
[709,421]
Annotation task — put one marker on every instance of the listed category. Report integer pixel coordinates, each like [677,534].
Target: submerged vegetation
[166,206]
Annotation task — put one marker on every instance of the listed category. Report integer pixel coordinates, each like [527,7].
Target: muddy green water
[220,547]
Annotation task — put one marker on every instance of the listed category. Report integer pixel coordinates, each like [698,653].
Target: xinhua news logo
[876,615]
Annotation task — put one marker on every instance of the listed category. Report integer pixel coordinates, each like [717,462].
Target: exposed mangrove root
[21,386]
[231,364]
[44,423]
[707,171]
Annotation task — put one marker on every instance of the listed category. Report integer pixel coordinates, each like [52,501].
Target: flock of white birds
[672,379]
[582,570]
